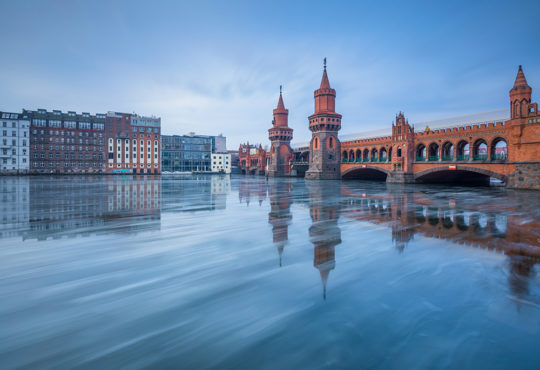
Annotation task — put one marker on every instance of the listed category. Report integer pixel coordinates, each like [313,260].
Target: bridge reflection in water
[408,212]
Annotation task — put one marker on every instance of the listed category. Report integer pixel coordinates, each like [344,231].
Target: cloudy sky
[215,67]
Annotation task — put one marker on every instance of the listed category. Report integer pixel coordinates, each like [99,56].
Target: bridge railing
[479,157]
[433,158]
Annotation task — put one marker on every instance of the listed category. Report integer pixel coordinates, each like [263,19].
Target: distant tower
[402,150]
[280,137]
[324,152]
[520,97]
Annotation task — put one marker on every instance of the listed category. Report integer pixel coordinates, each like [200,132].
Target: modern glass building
[186,153]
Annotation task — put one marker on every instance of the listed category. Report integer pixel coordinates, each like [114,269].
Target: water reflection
[177,268]
[324,233]
[280,216]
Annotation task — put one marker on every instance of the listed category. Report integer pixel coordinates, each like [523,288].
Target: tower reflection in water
[280,215]
[324,233]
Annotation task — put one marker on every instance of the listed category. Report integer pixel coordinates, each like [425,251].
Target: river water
[243,273]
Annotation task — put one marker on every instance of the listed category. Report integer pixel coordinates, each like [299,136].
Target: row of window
[13,133]
[67,147]
[67,164]
[13,152]
[66,133]
[13,160]
[68,124]
[14,142]
[68,155]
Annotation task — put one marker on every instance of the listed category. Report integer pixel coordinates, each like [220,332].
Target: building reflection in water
[252,188]
[82,205]
[14,205]
[280,217]
[410,213]
[324,233]
[195,193]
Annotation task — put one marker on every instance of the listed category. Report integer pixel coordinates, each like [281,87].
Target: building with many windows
[221,162]
[187,153]
[66,142]
[14,143]
[133,143]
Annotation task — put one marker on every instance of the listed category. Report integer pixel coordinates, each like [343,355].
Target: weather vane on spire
[325,63]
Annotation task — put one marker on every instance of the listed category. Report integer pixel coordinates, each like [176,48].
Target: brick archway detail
[481,171]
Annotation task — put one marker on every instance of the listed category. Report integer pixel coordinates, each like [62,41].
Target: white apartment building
[221,162]
[14,143]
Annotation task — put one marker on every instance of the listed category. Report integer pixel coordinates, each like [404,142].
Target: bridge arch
[448,151]
[421,152]
[466,175]
[366,172]
[480,149]
[365,156]
[499,148]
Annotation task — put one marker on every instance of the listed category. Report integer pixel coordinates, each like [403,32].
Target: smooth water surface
[243,273]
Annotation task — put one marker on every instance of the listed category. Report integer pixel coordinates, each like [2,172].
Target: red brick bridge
[508,150]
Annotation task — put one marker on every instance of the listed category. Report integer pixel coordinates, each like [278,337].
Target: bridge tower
[402,151]
[280,136]
[325,148]
[520,97]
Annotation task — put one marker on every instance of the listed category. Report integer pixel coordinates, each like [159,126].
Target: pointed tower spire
[280,104]
[521,81]
[325,84]
[520,96]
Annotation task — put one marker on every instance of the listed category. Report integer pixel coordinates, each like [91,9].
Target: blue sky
[215,67]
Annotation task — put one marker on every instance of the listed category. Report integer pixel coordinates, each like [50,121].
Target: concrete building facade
[14,143]
[221,162]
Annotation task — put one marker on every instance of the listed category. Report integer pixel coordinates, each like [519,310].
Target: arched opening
[365,157]
[316,143]
[480,150]
[390,154]
[382,155]
[351,155]
[344,156]
[463,175]
[498,225]
[358,155]
[499,149]
[462,221]
[479,222]
[421,152]
[463,151]
[420,215]
[331,142]
[371,174]
[433,216]
[399,152]
[433,152]
[448,151]
[448,219]
[374,155]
